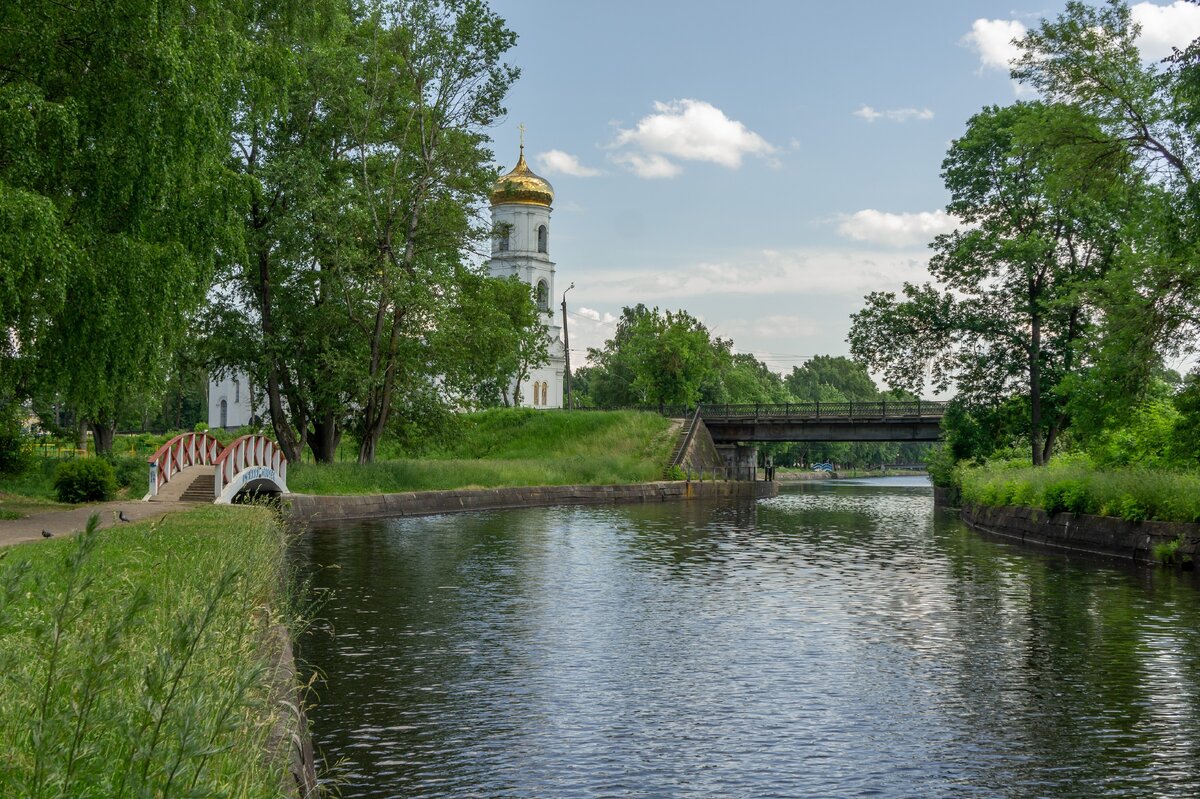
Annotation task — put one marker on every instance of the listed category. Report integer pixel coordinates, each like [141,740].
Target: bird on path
[47,534]
[121,515]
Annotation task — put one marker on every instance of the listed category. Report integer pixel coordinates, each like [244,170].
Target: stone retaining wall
[309,507]
[1102,535]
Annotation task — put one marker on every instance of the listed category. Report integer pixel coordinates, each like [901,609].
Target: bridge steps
[200,490]
[193,484]
[684,431]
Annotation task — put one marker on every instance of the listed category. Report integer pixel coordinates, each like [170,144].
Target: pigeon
[47,534]
[121,515]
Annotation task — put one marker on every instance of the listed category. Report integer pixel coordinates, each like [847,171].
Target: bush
[129,471]
[14,446]
[85,480]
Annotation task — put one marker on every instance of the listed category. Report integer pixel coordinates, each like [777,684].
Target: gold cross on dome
[521,128]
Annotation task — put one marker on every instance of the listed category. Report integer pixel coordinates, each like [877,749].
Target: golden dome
[522,186]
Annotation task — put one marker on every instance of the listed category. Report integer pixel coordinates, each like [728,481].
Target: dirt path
[68,522]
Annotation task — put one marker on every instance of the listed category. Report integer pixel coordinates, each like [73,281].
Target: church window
[536,388]
[543,296]
[544,393]
[224,413]
[541,238]
[237,392]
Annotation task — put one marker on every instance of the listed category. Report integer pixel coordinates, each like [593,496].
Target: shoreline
[1096,535]
[324,507]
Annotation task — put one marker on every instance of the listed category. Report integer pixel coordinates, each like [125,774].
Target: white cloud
[993,40]
[896,230]
[895,115]
[686,130]
[557,162]
[768,273]
[1166,27]
[589,313]
[649,165]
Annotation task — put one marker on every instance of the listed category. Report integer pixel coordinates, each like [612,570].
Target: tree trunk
[1035,378]
[102,436]
[81,434]
[323,438]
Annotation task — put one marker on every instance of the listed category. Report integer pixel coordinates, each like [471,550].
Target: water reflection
[839,640]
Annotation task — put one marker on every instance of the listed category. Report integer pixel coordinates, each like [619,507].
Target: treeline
[288,189]
[1074,275]
[657,358]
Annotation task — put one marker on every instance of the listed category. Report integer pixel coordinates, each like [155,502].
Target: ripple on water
[838,640]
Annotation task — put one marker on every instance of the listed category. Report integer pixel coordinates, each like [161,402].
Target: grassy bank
[136,661]
[1073,484]
[513,447]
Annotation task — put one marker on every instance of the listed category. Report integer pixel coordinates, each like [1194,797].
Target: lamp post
[567,350]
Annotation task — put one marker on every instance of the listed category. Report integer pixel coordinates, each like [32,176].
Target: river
[842,639]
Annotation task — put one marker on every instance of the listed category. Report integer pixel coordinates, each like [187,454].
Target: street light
[567,350]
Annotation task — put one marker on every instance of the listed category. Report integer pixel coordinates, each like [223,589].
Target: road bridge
[883,420]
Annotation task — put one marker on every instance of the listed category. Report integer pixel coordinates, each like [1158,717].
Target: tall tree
[116,178]
[1088,57]
[1041,221]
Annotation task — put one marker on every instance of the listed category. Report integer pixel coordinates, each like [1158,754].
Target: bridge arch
[252,464]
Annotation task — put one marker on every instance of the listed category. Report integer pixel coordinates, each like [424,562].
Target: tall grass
[513,447]
[138,661]
[1074,484]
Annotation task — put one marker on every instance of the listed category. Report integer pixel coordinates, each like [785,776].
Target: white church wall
[234,391]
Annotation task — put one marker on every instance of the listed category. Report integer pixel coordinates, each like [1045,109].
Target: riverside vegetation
[510,447]
[140,660]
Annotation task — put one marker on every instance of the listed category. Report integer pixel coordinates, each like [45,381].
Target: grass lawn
[137,661]
[513,447]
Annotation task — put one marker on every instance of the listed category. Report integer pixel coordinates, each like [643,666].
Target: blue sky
[761,165]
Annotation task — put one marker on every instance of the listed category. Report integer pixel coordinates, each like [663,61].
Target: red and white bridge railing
[251,462]
[182,451]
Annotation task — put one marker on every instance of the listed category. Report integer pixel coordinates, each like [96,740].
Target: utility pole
[567,350]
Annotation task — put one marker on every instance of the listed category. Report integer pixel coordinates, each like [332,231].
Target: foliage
[14,444]
[1088,57]
[116,182]
[1074,484]
[1010,316]
[85,480]
[133,663]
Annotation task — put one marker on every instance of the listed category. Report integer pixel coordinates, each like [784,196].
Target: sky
[762,165]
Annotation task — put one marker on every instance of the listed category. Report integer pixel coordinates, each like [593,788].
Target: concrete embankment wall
[308,507]
[1102,535]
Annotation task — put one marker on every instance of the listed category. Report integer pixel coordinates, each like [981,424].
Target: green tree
[1041,218]
[851,379]
[113,191]
[360,216]
[1088,57]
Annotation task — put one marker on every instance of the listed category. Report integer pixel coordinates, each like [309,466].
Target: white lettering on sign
[259,473]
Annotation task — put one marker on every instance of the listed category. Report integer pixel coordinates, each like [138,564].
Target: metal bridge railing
[873,409]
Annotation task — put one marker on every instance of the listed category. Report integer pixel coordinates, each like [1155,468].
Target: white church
[521,205]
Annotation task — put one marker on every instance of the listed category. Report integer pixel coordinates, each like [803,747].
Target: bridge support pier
[741,460]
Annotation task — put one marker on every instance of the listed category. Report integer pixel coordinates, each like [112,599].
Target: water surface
[843,639]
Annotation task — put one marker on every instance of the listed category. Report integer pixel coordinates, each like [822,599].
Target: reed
[1074,484]
[138,661]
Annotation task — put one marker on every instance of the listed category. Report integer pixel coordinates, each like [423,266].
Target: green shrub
[1132,510]
[1069,495]
[15,448]
[130,471]
[85,480]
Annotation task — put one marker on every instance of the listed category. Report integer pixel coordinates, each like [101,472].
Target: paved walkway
[73,520]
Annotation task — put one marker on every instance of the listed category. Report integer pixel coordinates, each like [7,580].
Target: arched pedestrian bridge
[196,467]
[901,421]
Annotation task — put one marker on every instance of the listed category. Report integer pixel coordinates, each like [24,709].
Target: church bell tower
[521,206]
